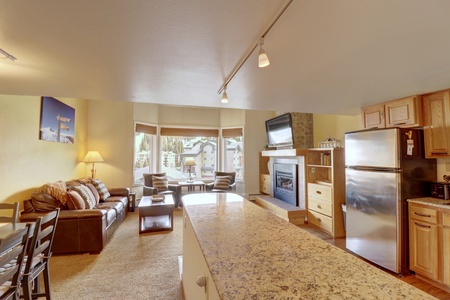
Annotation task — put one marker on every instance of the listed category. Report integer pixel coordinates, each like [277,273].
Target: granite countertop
[432,202]
[252,254]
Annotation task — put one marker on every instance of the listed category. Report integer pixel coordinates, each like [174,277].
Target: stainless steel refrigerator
[384,167]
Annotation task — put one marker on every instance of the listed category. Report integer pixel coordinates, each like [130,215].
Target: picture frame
[57,121]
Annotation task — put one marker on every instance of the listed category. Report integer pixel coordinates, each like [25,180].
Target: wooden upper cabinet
[373,116]
[436,114]
[405,112]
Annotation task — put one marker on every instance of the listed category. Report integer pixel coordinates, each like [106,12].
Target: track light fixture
[224,95]
[263,60]
[6,55]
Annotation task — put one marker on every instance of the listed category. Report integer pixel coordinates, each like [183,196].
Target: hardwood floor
[410,279]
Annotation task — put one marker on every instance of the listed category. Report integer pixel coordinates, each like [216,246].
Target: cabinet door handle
[439,153]
[318,192]
[319,220]
[318,206]
[422,215]
[421,225]
[397,124]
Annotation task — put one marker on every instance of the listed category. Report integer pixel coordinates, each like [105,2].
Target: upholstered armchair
[221,183]
[161,186]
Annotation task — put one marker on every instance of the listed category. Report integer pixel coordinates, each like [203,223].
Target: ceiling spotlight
[224,95]
[6,55]
[263,60]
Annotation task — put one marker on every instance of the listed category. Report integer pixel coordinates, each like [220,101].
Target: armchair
[150,189]
[213,186]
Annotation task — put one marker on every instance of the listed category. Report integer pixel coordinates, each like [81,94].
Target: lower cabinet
[424,240]
[196,277]
[446,246]
[429,242]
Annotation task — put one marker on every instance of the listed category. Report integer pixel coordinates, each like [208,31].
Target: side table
[132,201]
[191,185]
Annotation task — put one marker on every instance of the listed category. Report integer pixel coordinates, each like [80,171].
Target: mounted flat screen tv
[279,131]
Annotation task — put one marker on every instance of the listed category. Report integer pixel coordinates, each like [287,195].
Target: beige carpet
[132,266]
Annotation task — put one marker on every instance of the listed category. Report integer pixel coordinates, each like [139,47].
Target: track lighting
[263,60]
[224,95]
[6,55]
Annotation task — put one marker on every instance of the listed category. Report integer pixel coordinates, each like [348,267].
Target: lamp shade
[189,162]
[93,156]
[263,60]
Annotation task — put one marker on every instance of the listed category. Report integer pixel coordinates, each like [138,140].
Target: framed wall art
[57,121]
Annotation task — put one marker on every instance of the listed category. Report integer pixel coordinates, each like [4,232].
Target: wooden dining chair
[38,257]
[12,249]
[12,214]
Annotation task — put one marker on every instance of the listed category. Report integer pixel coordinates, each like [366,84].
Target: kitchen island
[242,251]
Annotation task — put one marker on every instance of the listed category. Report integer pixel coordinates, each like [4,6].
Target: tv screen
[279,131]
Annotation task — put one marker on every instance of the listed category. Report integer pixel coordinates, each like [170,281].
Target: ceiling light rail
[260,42]
[6,55]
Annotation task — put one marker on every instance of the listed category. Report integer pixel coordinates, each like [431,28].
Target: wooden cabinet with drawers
[264,176]
[405,112]
[429,242]
[423,243]
[326,189]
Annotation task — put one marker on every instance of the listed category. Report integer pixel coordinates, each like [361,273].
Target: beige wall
[111,132]
[27,162]
[334,125]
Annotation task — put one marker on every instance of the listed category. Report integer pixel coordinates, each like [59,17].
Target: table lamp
[93,157]
[190,162]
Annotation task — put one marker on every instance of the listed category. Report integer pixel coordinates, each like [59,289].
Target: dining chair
[9,217]
[12,249]
[38,257]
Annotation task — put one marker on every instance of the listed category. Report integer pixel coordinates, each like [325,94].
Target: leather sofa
[87,230]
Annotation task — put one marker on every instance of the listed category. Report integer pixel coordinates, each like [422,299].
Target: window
[233,149]
[144,136]
[181,144]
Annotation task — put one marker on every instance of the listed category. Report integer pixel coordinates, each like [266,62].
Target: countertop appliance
[384,167]
[440,190]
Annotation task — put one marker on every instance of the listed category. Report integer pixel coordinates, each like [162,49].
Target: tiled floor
[411,279]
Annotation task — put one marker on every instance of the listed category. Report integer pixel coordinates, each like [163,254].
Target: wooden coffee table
[156,216]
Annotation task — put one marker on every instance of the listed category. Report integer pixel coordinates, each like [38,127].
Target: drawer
[446,217]
[320,206]
[320,192]
[321,221]
[264,183]
[423,213]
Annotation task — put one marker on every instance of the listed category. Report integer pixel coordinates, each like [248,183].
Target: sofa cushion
[222,182]
[58,190]
[101,188]
[43,202]
[160,183]
[75,201]
[86,195]
[94,192]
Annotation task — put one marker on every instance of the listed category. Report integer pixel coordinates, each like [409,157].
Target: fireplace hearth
[285,185]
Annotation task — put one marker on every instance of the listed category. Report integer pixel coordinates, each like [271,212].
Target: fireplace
[285,184]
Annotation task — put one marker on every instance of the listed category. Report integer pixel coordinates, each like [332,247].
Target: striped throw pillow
[86,195]
[222,182]
[160,183]
[101,188]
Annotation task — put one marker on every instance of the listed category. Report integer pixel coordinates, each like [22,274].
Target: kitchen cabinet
[405,112]
[436,114]
[424,240]
[326,189]
[446,246]
[196,277]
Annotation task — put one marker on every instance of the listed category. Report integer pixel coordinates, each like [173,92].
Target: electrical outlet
[447,166]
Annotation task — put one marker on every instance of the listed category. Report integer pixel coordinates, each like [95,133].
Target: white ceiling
[326,56]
